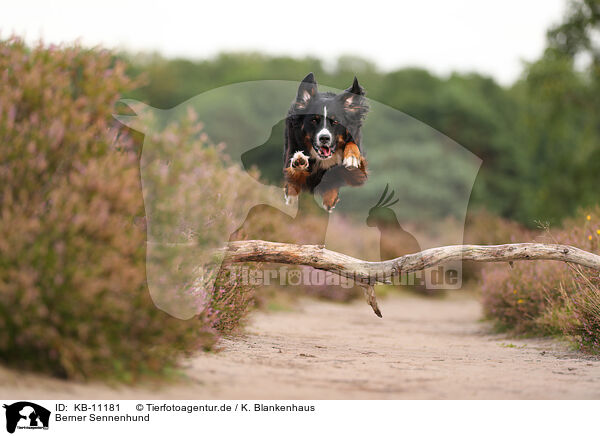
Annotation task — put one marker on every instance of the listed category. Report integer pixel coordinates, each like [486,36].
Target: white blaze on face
[324,131]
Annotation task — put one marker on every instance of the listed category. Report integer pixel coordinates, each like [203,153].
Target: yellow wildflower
[520,301]
[590,237]
[589,217]
[515,291]
[598,231]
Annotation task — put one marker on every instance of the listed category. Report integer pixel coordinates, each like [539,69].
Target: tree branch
[369,273]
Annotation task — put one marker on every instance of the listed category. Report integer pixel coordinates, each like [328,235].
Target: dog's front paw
[299,161]
[351,156]
[351,162]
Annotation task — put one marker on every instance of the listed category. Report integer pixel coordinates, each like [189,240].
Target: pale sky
[490,37]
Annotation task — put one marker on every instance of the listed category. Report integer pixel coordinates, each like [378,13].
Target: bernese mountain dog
[323,150]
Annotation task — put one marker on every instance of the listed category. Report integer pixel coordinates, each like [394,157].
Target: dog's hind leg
[330,199]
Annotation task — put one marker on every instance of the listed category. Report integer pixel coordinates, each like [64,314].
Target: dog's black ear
[356,88]
[306,91]
[353,100]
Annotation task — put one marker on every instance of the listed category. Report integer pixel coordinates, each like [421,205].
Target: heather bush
[580,319]
[579,315]
[523,298]
[73,295]
[546,297]
[194,197]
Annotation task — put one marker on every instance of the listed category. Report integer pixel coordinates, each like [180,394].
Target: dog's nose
[324,139]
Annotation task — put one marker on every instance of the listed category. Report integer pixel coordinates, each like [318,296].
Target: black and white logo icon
[26,415]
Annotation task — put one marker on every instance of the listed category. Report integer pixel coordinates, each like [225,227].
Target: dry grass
[550,298]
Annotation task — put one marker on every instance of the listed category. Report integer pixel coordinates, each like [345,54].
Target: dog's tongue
[325,150]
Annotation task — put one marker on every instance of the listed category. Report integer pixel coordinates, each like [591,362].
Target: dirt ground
[422,348]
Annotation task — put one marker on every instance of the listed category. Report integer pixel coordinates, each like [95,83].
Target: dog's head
[326,121]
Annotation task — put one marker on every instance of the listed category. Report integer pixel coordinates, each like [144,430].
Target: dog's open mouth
[324,151]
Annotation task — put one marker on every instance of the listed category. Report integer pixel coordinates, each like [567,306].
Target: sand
[421,349]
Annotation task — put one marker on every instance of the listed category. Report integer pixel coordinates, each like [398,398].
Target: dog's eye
[334,122]
[315,120]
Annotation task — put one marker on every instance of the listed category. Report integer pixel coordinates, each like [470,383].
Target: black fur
[345,114]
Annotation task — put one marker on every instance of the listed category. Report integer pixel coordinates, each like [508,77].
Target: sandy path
[422,348]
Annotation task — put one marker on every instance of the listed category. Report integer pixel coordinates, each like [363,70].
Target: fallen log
[367,274]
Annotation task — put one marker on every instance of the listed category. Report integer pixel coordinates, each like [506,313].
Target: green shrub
[194,199]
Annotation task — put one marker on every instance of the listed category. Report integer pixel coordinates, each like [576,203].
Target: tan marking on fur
[352,157]
[330,199]
[296,178]
[363,166]
[352,150]
[296,175]
[356,176]
[308,142]
[291,190]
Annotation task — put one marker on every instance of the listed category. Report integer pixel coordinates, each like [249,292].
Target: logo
[26,415]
